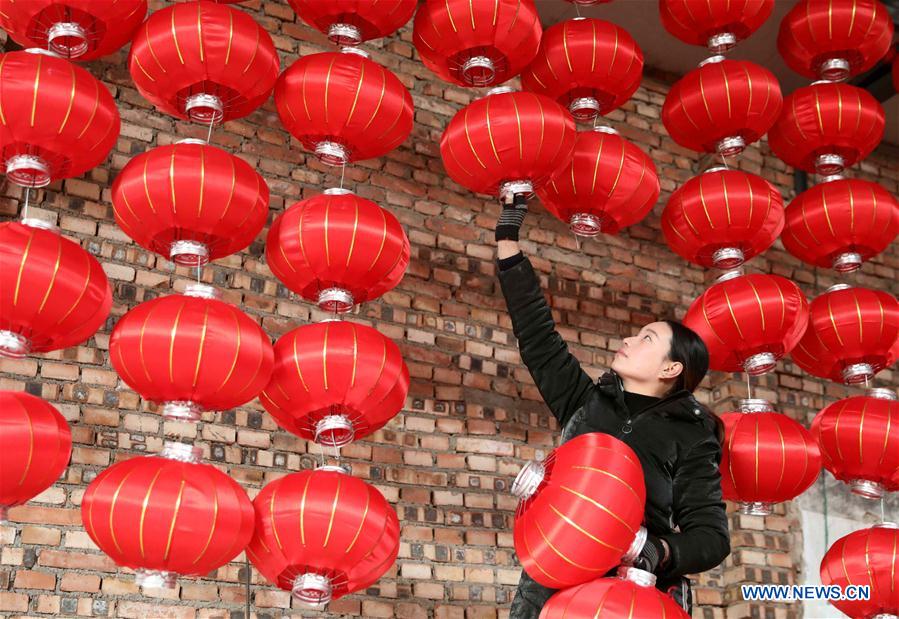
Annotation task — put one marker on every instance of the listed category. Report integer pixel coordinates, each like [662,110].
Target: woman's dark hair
[688,349]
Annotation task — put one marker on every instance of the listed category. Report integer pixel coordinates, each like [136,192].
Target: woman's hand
[654,555]
[509,224]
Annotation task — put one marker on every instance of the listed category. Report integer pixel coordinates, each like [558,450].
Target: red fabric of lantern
[190,203]
[477,43]
[337,250]
[749,322]
[344,107]
[580,510]
[722,218]
[608,184]
[590,66]
[203,61]
[722,106]
[350,22]
[716,24]
[323,535]
[35,445]
[53,294]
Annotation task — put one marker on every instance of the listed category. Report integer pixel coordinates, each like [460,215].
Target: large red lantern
[859,440]
[191,353]
[716,24]
[337,249]
[580,511]
[350,22]
[850,335]
[826,127]
[56,119]
[322,535]
[167,515]
[343,106]
[748,322]
[334,382]
[477,43]
[608,184]
[722,106]
[76,29]
[190,203]
[510,141]
[841,223]
[722,218]
[53,294]
[835,39]
[203,61]
[590,66]
[768,457]
[35,445]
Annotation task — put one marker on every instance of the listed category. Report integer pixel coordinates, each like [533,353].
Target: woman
[645,401]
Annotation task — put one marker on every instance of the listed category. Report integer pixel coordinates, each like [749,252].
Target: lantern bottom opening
[528,480]
[155,579]
[633,551]
[755,508]
[313,589]
[834,69]
[721,42]
[730,146]
[585,224]
[636,575]
[584,109]
[189,253]
[344,34]
[13,345]
[847,262]
[760,363]
[68,39]
[728,257]
[478,71]
[332,153]
[337,300]
[28,170]
[866,488]
[182,410]
[829,164]
[857,373]
[204,108]
[334,430]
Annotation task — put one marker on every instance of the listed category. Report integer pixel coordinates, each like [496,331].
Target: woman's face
[644,357]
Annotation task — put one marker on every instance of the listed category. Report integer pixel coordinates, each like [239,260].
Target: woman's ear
[672,369]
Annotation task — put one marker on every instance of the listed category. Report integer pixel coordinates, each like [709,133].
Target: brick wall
[473,415]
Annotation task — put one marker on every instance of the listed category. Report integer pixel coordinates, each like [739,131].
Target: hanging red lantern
[866,557]
[717,24]
[589,66]
[607,184]
[509,141]
[322,535]
[768,457]
[190,202]
[748,322]
[477,44]
[203,61]
[850,334]
[53,294]
[350,22]
[579,511]
[167,515]
[334,382]
[35,445]
[191,353]
[344,107]
[834,39]
[827,127]
[859,439]
[56,119]
[841,223]
[337,249]
[722,218]
[75,29]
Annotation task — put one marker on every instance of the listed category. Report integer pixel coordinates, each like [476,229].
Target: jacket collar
[680,404]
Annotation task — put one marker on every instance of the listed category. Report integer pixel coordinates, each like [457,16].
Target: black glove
[510,220]
[651,556]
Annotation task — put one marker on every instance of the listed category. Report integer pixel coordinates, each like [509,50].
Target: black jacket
[677,439]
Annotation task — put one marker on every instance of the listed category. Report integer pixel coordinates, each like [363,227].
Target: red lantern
[866,557]
[834,39]
[608,184]
[768,457]
[53,294]
[850,334]
[190,203]
[337,250]
[35,445]
[203,61]
[722,106]
[841,223]
[748,322]
[590,66]
[827,127]
[343,106]
[192,353]
[167,515]
[580,511]
[350,22]
[335,381]
[477,43]
[859,440]
[722,218]
[323,535]
[511,141]
[56,119]
[717,24]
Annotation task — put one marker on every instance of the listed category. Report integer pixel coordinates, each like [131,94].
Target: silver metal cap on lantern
[332,153]
[155,579]
[829,164]
[528,480]
[478,71]
[189,253]
[28,170]
[181,452]
[584,109]
[334,468]
[13,345]
[636,575]
[834,69]
[847,262]
[204,108]
[334,430]
[202,291]
[633,551]
[586,224]
[856,373]
[722,42]
[354,50]
[182,410]
[68,39]
[312,589]
[337,300]
[755,405]
[867,488]
[41,224]
[344,34]
[755,508]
